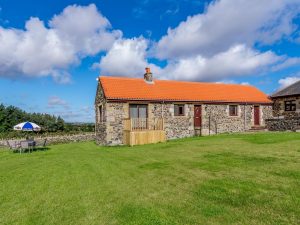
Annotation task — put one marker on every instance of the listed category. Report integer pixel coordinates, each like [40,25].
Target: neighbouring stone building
[133,108]
[286,109]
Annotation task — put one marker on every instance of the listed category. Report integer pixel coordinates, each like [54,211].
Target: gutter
[192,101]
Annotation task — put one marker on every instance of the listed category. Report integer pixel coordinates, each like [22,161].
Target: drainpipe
[162,113]
[209,125]
[245,117]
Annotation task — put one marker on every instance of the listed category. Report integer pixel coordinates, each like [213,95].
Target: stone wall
[115,115]
[100,127]
[59,139]
[215,119]
[266,113]
[278,107]
[175,126]
[284,120]
[283,124]
[101,133]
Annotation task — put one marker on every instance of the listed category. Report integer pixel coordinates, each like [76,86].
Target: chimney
[148,75]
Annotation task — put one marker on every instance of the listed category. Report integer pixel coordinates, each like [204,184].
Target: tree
[60,124]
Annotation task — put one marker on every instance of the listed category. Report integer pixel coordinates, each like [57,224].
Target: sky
[52,51]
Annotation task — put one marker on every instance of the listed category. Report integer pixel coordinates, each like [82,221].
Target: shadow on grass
[36,149]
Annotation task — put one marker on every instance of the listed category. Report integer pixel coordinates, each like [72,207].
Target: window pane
[138,111]
[290,105]
[133,111]
[178,110]
[142,111]
[100,114]
[233,110]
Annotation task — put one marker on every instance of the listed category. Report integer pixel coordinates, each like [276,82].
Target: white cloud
[76,115]
[61,77]
[38,50]
[245,83]
[127,57]
[87,109]
[286,63]
[236,61]
[212,46]
[232,82]
[85,29]
[55,101]
[216,45]
[226,23]
[285,82]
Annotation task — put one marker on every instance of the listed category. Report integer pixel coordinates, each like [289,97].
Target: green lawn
[225,179]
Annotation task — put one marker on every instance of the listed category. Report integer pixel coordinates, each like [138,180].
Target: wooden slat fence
[139,124]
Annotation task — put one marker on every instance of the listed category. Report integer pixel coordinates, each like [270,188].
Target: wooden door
[256,116]
[197,116]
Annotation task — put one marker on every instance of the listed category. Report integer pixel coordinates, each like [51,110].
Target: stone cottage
[286,109]
[146,110]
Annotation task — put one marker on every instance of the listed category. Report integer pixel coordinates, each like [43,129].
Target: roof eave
[282,96]
[187,100]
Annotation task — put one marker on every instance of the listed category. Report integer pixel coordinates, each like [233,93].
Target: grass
[224,179]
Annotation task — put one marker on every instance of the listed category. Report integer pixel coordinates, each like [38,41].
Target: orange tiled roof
[120,88]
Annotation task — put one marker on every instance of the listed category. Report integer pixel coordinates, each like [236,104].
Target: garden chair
[13,145]
[24,146]
[41,143]
[44,143]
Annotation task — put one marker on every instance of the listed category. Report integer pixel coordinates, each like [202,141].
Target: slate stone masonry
[283,124]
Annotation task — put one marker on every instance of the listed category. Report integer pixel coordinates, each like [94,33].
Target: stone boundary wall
[282,124]
[59,139]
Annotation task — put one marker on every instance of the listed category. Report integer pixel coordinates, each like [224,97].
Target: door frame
[200,106]
[254,115]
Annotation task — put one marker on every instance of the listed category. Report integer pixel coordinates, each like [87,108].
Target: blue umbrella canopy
[27,126]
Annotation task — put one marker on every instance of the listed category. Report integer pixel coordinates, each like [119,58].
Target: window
[178,110]
[100,116]
[290,105]
[233,110]
[138,111]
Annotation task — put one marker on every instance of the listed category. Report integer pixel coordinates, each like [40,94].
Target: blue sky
[51,52]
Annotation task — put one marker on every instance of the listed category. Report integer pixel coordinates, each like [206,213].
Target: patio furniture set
[24,145]
[28,144]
